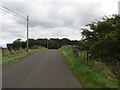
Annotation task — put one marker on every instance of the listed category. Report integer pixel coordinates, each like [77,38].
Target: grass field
[12,57]
[87,75]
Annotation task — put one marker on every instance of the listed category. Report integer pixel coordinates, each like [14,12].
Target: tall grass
[88,76]
[110,68]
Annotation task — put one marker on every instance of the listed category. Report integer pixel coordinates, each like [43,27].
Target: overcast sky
[51,18]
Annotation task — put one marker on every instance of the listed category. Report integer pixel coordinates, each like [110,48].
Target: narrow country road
[44,69]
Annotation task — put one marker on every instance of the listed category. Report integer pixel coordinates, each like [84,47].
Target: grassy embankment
[12,57]
[88,76]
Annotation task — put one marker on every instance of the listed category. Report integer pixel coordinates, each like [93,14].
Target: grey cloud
[77,16]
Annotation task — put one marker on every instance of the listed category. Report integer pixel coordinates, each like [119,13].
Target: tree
[17,44]
[102,41]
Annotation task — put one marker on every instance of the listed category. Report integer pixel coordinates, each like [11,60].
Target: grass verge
[88,76]
[12,57]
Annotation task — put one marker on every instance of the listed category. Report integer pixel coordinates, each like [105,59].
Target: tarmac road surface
[44,69]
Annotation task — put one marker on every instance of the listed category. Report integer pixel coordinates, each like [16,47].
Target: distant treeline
[53,43]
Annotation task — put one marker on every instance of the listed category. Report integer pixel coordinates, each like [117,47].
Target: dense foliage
[102,40]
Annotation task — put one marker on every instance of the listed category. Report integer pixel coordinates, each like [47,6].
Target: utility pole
[27,32]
